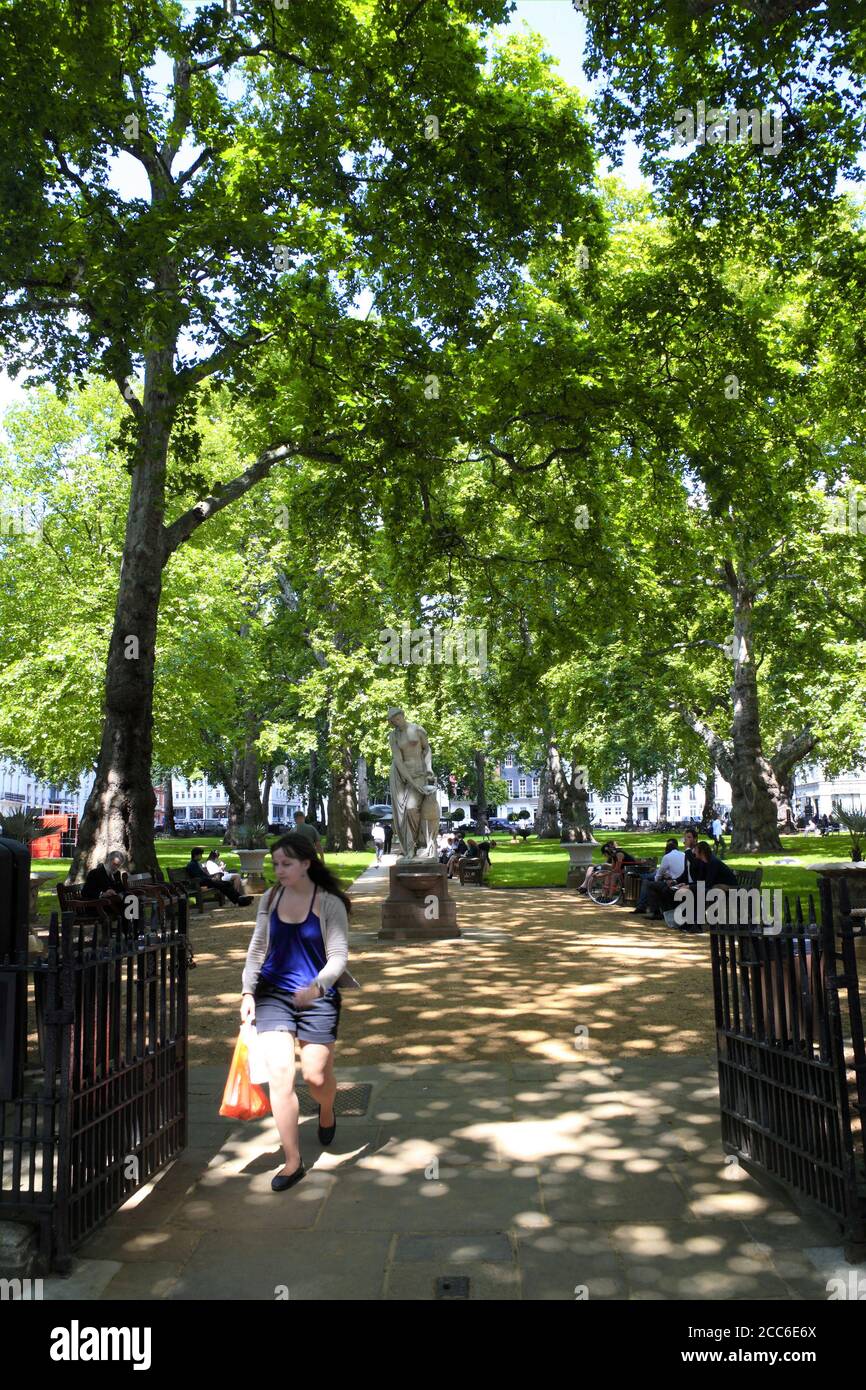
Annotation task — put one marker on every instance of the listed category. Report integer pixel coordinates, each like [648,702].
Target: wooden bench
[85,911]
[749,878]
[633,880]
[472,870]
[195,888]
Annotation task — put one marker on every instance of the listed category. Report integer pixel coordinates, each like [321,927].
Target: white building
[193,800]
[815,794]
[21,791]
[685,802]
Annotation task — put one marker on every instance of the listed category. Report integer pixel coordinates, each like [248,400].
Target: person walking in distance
[295,969]
[303,827]
[378,840]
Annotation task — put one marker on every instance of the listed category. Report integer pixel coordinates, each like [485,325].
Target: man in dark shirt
[196,870]
[105,885]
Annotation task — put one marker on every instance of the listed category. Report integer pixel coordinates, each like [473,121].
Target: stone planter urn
[854,876]
[252,869]
[579,860]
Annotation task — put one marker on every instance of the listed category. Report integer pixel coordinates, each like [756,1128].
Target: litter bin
[14,937]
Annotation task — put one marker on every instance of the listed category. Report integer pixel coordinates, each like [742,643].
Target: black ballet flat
[326,1135]
[283,1181]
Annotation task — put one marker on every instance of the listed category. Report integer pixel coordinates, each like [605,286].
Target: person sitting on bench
[670,871]
[105,883]
[199,874]
[217,869]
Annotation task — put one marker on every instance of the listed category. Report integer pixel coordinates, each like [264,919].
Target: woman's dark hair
[704,848]
[300,847]
[214,854]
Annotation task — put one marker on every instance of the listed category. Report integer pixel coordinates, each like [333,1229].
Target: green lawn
[174,854]
[542,863]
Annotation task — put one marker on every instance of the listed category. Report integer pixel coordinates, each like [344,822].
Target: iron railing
[792,1070]
[103,1101]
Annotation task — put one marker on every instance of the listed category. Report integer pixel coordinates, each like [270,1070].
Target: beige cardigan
[335,934]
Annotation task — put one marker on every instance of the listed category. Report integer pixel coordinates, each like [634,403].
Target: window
[522,785]
[509,759]
[536,786]
[511,791]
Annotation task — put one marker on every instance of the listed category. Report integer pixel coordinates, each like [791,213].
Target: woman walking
[296,964]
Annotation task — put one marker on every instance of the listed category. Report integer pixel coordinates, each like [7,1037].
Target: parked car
[499,823]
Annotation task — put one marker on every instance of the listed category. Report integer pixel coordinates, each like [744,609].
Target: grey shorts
[317,1023]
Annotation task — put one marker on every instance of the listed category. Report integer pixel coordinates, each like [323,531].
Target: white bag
[259,1075]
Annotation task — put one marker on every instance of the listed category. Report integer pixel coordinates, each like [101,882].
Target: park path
[580,1165]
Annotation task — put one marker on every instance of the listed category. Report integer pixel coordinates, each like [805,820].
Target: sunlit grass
[544,863]
[175,854]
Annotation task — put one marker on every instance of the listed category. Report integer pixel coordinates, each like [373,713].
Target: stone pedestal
[579,860]
[418,907]
[252,870]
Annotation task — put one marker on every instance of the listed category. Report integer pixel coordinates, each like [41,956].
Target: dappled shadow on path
[538,974]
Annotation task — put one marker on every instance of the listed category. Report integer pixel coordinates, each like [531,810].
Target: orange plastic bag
[241,1099]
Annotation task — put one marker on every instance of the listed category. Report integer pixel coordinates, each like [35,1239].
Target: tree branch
[231,56]
[191,376]
[721,752]
[181,529]
[792,752]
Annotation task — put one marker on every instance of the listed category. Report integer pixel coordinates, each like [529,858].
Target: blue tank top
[296,952]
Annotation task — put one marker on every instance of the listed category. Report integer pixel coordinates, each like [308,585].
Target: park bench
[633,880]
[472,870]
[749,878]
[194,888]
[85,911]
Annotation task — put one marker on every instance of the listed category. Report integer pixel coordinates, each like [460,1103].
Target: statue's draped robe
[411,768]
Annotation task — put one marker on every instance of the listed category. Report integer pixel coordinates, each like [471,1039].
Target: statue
[414,803]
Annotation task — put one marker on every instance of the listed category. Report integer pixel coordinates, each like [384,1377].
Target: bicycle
[608,886]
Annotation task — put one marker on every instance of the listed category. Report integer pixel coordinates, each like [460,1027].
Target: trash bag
[241,1099]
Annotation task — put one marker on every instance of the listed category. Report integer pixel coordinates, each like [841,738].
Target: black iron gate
[792,1071]
[103,1101]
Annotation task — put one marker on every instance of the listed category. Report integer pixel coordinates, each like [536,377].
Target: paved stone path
[588,1178]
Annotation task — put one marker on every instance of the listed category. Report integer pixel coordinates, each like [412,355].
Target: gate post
[14,928]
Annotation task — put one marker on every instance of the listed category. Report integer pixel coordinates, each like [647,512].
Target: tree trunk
[311,793]
[756,795]
[560,788]
[481,792]
[629,797]
[251,777]
[363,786]
[548,819]
[580,787]
[709,799]
[168,825]
[344,827]
[266,792]
[232,780]
[755,792]
[663,804]
[119,810]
